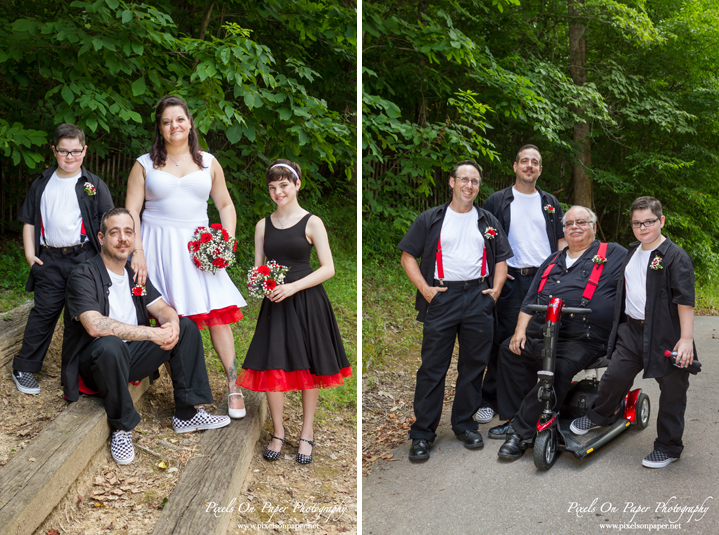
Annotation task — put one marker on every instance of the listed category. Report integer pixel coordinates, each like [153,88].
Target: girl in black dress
[297,344]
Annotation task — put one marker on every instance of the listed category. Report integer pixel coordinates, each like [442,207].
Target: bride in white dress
[174,180]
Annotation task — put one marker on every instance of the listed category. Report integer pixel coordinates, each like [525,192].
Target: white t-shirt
[527,231]
[569,261]
[60,212]
[462,246]
[635,280]
[120,298]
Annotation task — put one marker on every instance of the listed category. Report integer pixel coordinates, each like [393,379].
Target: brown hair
[68,131]
[112,212]
[528,147]
[646,203]
[453,172]
[277,172]
[158,152]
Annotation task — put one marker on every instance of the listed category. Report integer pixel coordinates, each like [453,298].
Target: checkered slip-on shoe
[484,415]
[121,447]
[582,426]
[25,382]
[657,459]
[200,422]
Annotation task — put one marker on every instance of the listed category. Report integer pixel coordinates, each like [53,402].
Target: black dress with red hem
[297,343]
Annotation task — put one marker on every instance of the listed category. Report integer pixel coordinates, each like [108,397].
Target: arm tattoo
[105,326]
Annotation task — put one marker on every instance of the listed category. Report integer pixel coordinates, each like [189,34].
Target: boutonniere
[90,189]
[599,260]
[490,233]
[139,290]
[656,263]
[549,209]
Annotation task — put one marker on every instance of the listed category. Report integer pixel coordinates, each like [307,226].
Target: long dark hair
[158,152]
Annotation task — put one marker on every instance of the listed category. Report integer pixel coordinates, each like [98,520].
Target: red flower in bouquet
[216,225]
[270,285]
[225,235]
[193,246]
[264,270]
[219,262]
[197,261]
[234,247]
[206,236]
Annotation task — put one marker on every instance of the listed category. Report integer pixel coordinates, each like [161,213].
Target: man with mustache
[582,339]
[115,344]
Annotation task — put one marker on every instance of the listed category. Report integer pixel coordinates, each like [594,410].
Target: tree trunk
[578,71]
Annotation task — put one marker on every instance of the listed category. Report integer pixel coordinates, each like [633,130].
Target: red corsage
[139,290]
[549,209]
[490,233]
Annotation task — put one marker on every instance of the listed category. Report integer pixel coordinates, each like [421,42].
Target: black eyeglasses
[649,223]
[64,153]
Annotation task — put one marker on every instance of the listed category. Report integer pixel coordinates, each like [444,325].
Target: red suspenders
[593,277]
[440,268]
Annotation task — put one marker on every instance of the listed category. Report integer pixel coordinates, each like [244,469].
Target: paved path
[462,491]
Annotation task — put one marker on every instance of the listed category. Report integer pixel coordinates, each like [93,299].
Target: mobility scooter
[553,436]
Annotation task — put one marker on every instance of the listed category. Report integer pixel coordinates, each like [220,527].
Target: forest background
[264,80]
[621,97]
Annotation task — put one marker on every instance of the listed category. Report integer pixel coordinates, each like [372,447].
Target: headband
[286,167]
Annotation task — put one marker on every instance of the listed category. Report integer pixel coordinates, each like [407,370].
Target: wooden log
[12,327]
[30,490]
[217,476]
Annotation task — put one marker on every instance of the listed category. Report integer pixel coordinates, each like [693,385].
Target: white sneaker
[657,459]
[121,447]
[200,422]
[484,415]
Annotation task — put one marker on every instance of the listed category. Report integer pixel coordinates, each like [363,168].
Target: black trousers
[467,314]
[50,282]
[626,362]
[108,364]
[508,307]
[518,386]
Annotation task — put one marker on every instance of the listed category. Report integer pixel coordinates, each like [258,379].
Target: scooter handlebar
[565,310]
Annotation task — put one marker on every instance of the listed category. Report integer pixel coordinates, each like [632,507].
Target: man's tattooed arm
[98,325]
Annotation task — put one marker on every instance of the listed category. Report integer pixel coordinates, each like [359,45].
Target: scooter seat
[601,362]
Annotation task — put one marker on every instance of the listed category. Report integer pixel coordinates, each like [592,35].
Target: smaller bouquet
[263,279]
[212,249]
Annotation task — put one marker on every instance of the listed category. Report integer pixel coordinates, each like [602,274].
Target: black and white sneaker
[657,459]
[582,426]
[200,422]
[121,447]
[25,382]
[484,415]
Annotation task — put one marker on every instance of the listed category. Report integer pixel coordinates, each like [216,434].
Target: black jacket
[422,237]
[667,288]
[498,204]
[87,290]
[92,208]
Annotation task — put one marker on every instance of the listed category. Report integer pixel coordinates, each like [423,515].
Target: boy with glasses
[654,312]
[61,216]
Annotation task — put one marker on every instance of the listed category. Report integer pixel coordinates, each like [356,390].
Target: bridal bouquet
[263,279]
[212,249]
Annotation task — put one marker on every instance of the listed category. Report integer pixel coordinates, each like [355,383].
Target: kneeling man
[582,339]
[115,344]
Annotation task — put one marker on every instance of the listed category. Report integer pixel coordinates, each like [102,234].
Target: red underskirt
[282,381]
[90,392]
[221,316]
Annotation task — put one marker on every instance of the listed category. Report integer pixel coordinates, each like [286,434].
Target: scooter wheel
[545,449]
[643,411]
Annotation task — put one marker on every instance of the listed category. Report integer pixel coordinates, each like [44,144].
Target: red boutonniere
[139,290]
[89,189]
[656,263]
[549,209]
[490,233]
[599,260]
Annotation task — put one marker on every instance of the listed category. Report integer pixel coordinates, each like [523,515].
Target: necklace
[287,222]
[176,162]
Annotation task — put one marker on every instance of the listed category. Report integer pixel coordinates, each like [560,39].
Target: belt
[64,251]
[635,322]
[523,271]
[459,284]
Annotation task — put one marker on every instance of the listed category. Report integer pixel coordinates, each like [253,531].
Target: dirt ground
[129,499]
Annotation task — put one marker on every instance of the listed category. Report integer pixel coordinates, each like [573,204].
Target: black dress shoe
[501,431]
[512,448]
[472,439]
[419,450]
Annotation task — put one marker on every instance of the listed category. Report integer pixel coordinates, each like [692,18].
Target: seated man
[115,344]
[581,339]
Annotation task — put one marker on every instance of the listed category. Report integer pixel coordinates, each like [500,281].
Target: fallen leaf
[99,481]
[31,459]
